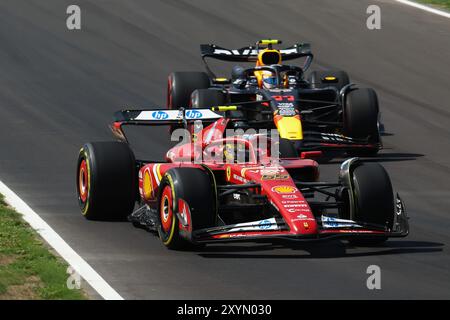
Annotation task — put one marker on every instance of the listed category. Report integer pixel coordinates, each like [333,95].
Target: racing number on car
[284,98]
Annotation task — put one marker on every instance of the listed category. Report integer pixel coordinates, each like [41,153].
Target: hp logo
[193,114]
[160,115]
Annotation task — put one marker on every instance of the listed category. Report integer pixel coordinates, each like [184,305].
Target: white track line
[425,7]
[63,249]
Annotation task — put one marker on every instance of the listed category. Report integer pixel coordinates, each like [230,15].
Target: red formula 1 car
[224,188]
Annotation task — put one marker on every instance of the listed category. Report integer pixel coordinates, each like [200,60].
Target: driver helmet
[269,81]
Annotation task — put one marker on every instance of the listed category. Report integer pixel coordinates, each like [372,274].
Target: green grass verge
[28,270]
[442,4]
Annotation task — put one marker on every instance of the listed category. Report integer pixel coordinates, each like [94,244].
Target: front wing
[277,229]
[324,234]
[331,141]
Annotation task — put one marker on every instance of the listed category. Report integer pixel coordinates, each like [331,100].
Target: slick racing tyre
[374,199]
[106,180]
[206,98]
[360,117]
[329,78]
[191,193]
[180,85]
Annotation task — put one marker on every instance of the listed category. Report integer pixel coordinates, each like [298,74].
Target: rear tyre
[360,117]
[180,86]
[206,98]
[106,180]
[177,184]
[318,79]
[374,199]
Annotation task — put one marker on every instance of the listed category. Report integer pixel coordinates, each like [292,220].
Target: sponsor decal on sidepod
[284,189]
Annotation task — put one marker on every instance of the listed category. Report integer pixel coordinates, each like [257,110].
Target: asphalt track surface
[58,89]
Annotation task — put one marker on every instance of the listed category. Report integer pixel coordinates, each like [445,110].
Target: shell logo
[284,189]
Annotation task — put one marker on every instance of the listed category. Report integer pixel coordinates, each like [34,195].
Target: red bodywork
[275,183]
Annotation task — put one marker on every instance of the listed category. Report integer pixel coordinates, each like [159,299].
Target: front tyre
[106,180]
[168,229]
[195,190]
[360,118]
[374,199]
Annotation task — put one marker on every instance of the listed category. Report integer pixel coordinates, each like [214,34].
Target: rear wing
[250,53]
[163,117]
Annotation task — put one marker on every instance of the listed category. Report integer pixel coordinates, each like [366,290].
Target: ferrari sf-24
[204,193]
